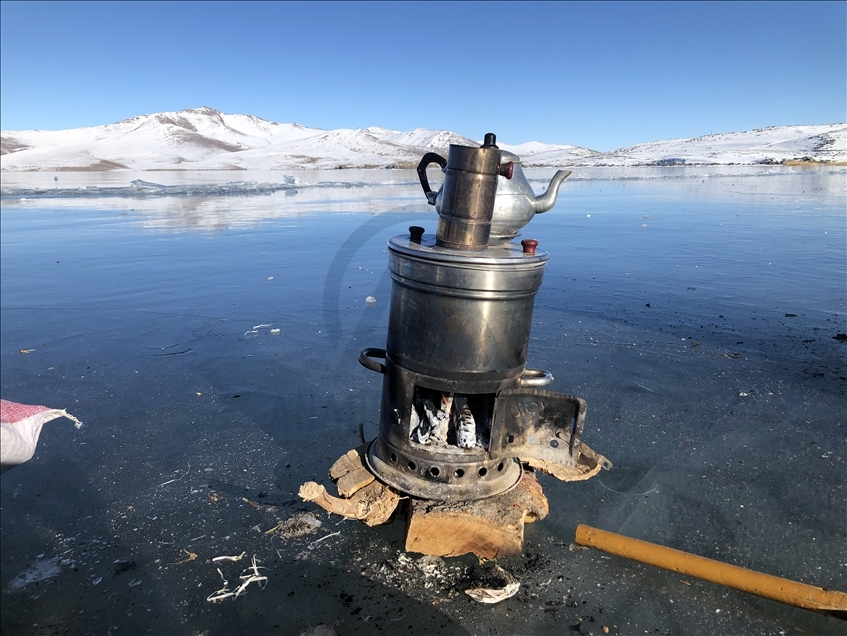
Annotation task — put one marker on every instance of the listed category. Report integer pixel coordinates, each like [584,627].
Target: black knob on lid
[490,140]
[416,234]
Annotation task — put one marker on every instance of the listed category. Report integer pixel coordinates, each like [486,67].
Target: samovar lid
[496,253]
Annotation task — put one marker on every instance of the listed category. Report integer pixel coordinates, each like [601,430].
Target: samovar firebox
[459,406]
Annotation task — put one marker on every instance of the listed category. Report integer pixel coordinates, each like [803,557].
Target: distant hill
[773,145]
[206,139]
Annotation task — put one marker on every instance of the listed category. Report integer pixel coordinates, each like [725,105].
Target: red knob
[507,169]
[529,246]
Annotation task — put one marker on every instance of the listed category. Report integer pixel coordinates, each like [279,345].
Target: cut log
[488,528]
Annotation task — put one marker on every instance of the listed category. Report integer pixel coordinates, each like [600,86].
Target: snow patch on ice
[39,570]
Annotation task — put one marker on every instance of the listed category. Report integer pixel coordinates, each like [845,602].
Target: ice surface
[137,309]
[141,188]
[91,185]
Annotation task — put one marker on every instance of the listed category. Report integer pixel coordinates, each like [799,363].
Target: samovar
[459,407]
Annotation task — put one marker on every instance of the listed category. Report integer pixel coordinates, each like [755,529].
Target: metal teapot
[515,203]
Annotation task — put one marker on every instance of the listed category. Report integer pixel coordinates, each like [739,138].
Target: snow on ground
[204,138]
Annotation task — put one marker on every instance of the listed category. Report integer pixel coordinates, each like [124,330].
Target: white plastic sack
[20,426]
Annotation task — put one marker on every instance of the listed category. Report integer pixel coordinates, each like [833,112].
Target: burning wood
[445,419]
[465,424]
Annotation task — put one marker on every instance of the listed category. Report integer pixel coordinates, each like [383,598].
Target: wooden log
[349,472]
[354,481]
[374,504]
[348,462]
[362,497]
[488,528]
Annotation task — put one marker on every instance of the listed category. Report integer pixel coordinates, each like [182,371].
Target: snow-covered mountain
[205,139]
[773,145]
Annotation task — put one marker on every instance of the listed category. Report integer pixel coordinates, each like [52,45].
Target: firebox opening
[451,419]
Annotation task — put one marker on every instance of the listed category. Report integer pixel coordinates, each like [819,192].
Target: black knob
[490,140]
[416,234]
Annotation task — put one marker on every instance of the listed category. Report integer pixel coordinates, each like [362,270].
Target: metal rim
[499,253]
[413,482]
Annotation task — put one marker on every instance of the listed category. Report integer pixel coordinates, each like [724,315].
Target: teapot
[515,203]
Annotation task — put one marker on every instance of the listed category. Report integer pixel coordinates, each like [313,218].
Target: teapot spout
[544,202]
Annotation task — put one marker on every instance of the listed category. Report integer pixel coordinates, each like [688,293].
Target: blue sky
[599,75]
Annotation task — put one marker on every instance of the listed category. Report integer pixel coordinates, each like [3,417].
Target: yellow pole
[809,597]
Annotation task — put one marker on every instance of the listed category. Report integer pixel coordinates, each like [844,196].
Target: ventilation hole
[510,439]
[434,471]
[458,473]
[393,458]
[413,466]
[500,467]
[482,472]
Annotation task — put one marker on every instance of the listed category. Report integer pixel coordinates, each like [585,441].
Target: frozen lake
[697,310]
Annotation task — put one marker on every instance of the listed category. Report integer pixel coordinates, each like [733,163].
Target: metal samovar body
[458,404]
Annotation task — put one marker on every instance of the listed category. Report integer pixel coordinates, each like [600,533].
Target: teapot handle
[429,158]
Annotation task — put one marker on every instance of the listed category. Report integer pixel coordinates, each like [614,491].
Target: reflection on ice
[670,172]
[213,201]
[220,183]
[141,188]
[714,183]
[226,205]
